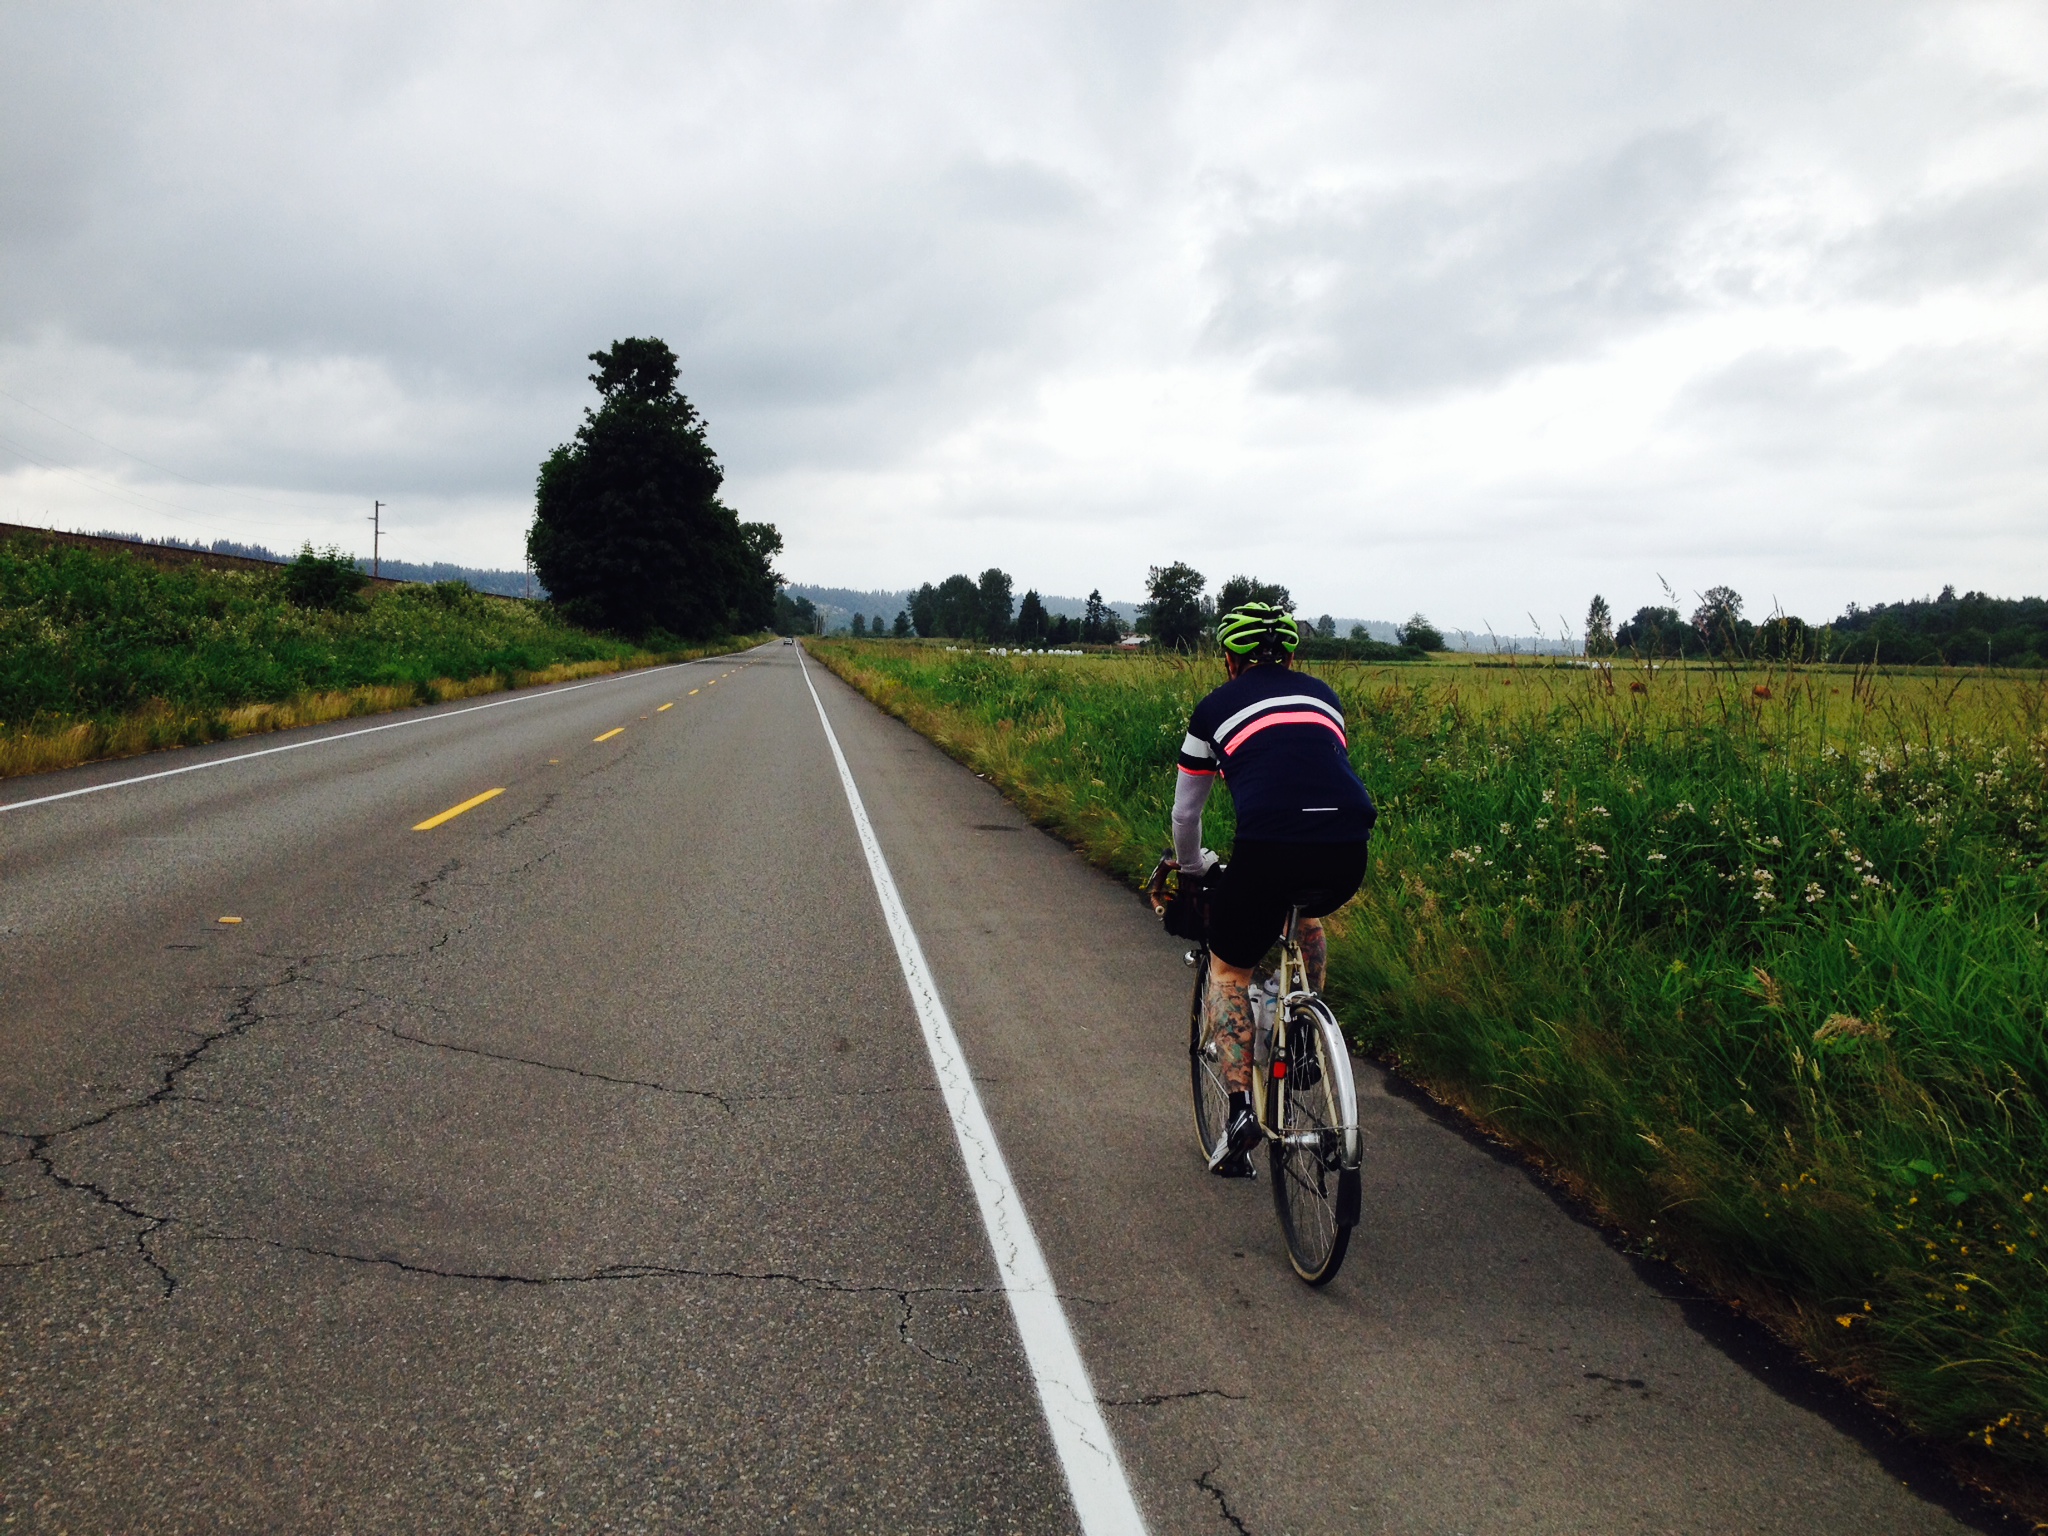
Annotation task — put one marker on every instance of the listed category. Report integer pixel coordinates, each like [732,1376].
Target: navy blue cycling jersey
[1277,738]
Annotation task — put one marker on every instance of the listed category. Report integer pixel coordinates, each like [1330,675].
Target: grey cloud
[1989,237]
[1424,287]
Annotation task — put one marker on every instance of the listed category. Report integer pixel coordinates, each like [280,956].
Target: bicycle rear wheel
[1315,1160]
[1205,1068]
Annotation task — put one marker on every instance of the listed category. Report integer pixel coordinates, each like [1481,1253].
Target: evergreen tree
[860,625]
[1326,628]
[1031,619]
[902,629]
[628,531]
[1599,628]
[1096,621]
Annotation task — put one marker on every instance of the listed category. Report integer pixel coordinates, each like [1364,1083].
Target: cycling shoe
[1232,1157]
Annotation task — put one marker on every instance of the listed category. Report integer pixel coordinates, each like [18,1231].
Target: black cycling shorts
[1248,900]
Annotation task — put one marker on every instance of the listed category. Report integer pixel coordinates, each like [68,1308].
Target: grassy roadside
[103,655]
[1753,959]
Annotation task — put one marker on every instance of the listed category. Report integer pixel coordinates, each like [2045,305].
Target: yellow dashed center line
[671,704]
[695,691]
[454,811]
[608,735]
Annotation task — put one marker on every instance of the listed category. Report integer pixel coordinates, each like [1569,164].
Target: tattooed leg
[1227,1014]
[1315,951]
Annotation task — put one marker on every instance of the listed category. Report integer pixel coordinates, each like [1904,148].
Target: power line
[140,499]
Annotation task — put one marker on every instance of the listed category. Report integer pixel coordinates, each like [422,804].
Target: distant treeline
[970,608]
[1179,616]
[480,578]
[1946,630]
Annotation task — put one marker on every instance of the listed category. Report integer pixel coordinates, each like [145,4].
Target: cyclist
[1276,737]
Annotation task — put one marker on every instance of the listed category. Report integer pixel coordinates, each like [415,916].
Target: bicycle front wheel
[1314,1160]
[1205,1067]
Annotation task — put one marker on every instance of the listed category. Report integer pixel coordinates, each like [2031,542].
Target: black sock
[1240,1101]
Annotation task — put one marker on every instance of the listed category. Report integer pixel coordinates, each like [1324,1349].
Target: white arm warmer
[1189,796]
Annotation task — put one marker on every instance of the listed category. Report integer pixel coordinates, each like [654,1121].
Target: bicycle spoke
[1308,1179]
[1205,1070]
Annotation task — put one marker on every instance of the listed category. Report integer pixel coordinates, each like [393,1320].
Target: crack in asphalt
[903,1333]
[547,803]
[422,889]
[404,954]
[244,1016]
[721,1100]
[902,1295]
[1155,1399]
[57,1258]
[613,1272]
[1222,1504]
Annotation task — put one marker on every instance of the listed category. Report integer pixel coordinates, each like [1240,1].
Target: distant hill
[482,578]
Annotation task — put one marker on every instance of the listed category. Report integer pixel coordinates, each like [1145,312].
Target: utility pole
[376,539]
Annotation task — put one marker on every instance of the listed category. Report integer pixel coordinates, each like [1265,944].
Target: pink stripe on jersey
[1198,773]
[1284,717]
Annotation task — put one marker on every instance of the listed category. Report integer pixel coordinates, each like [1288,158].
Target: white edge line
[520,696]
[1095,1474]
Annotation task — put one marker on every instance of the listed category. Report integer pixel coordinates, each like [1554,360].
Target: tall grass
[102,655]
[1754,958]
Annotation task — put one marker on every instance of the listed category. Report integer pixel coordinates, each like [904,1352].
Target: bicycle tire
[1314,1161]
[1205,1069]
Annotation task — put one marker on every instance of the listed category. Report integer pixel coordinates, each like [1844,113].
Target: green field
[103,654]
[1752,959]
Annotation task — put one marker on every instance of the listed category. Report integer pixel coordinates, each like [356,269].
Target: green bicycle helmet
[1253,627]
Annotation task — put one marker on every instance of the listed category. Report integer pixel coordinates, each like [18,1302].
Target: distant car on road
[789,639]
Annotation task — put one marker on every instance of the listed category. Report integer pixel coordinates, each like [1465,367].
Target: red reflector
[1279,1069]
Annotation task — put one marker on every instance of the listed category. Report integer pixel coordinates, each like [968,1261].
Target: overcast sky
[1473,309]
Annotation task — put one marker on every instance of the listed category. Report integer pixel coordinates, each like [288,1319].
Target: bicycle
[1303,1095]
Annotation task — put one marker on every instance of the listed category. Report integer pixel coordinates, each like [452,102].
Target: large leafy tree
[1239,590]
[1718,620]
[1177,613]
[1655,631]
[1421,634]
[995,588]
[959,608]
[628,531]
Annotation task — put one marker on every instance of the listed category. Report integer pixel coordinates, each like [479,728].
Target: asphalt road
[578,1164]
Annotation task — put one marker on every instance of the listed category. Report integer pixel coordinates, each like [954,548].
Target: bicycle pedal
[1238,1165]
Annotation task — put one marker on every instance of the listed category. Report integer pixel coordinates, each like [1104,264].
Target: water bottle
[1265,998]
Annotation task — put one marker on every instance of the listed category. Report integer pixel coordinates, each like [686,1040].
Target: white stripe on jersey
[1194,746]
[1249,710]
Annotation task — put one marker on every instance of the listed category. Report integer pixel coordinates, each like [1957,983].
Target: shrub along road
[578,1163]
